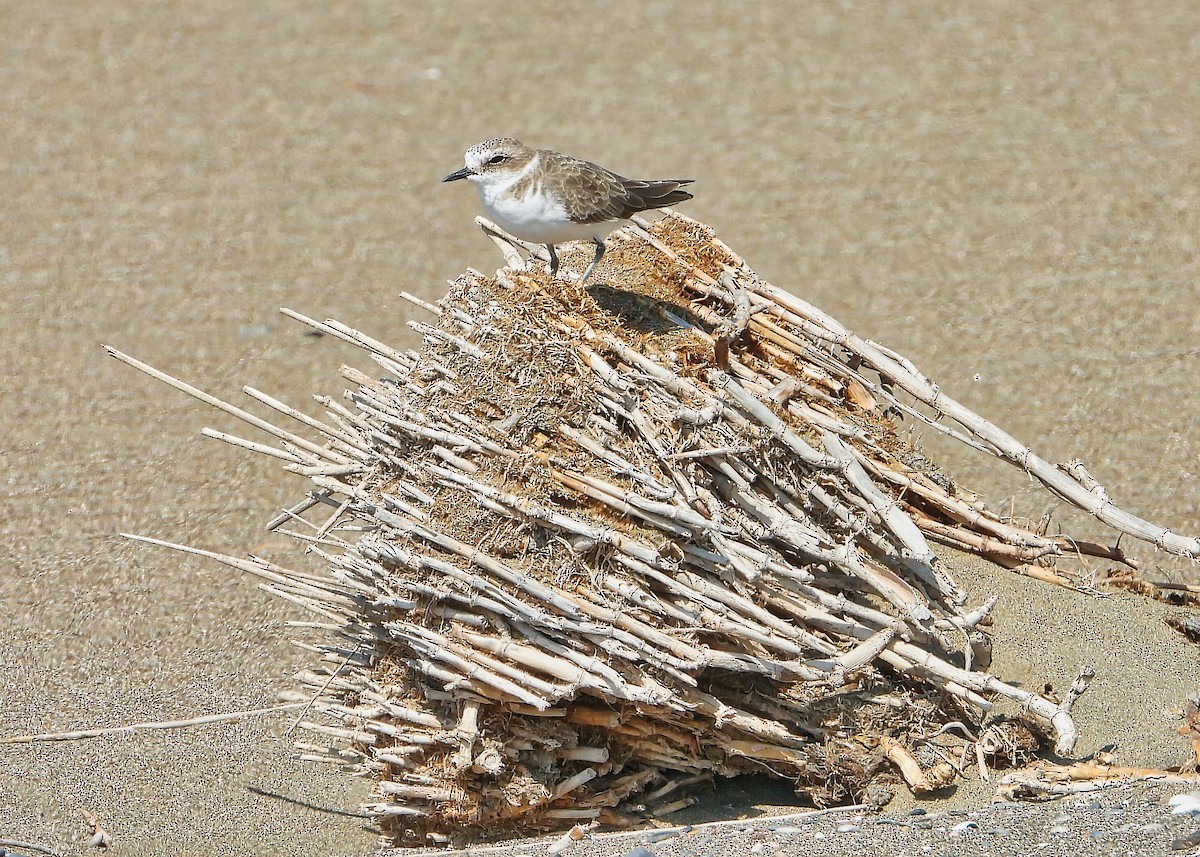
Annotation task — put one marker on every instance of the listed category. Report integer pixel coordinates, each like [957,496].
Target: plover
[547,197]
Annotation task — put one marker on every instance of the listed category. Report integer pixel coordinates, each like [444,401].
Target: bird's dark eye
[497,159]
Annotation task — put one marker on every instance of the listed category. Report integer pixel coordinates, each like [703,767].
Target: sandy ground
[1124,821]
[1007,192]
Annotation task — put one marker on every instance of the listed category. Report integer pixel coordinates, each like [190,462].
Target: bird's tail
[645,195]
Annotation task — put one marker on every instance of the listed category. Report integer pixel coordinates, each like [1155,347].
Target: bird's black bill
[459,174]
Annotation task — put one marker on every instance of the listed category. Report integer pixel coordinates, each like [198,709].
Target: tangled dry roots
[590,547]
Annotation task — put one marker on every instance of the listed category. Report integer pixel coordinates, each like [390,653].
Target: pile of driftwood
[589,547]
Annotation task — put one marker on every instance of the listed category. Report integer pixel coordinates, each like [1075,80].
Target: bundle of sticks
[587,548]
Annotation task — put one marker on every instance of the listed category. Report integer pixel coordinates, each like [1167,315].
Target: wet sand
[1008,195]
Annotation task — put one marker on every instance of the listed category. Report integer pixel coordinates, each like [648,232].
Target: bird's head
[492,160]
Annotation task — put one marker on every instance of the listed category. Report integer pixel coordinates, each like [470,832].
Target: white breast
[534,216]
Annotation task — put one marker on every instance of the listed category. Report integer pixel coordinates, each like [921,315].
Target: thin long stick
[146,727]
[27,846]
[233,410]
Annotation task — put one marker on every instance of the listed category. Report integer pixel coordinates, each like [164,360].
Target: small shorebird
[547,197]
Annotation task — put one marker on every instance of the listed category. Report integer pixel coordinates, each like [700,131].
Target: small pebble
[847,828]
[99,839]
[998,831]
[1185,804]
[917,811]
[818,835]
[1058,830]
[640,851]
[1114,811]
[1060,819]
[1185,842]
[962,827]
[1153,828]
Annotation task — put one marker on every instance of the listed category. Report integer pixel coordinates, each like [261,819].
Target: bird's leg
[553,261]
[595,260]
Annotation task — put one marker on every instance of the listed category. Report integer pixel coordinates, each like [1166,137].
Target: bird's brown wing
[592,194]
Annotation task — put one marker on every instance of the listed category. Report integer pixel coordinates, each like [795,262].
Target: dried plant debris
[587,548]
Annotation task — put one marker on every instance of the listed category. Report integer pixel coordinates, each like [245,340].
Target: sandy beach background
[1008,193]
